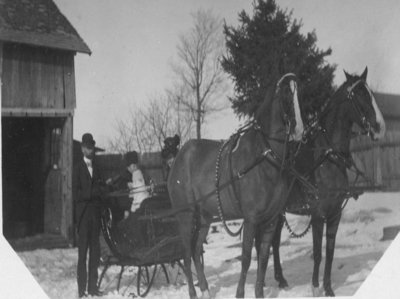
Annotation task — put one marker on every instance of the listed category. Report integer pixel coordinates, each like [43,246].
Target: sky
[134,41]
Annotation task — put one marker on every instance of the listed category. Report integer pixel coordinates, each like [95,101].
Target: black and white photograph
[200,149]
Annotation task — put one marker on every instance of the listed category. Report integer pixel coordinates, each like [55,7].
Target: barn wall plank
[379,160]
[1,70]
[66,177]
[35,78]
[69,81]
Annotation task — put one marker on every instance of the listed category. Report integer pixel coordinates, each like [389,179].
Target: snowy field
[358,249]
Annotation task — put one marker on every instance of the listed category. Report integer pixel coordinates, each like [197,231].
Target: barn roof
[38,23]
[389,104]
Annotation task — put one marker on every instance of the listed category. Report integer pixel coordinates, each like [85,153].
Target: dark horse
[248,167]
[325,158]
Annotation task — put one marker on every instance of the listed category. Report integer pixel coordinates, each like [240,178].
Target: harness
[231,141]
[267,154]
[281,163]
[340,159]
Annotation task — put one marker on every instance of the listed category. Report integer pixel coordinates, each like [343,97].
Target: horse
[248,166]
[325,158]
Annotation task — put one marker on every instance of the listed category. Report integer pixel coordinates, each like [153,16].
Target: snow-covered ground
[358,249]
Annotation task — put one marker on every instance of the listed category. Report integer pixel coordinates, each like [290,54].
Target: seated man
[169,152]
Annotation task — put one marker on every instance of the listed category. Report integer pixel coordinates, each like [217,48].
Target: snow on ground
[358,249]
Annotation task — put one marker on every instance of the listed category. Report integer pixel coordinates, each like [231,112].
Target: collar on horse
[343,160]
[267,154]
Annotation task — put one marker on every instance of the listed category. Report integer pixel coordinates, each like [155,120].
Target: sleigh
[150,246]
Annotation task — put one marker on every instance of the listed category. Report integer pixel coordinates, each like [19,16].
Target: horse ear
[364,74]
[348,76]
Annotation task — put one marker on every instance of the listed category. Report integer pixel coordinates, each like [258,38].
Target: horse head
[365,111]
[284,111]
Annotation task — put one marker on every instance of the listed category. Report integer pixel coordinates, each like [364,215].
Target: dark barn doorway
[24,175]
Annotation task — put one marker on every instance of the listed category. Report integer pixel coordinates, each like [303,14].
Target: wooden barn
[37,50]
[380,161]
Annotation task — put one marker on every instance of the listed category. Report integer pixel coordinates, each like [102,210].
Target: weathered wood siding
[67,225]
[392,124]
[1,70]
[380,161]
[35,77]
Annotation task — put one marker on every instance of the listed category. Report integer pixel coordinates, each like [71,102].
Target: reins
[276,161]
[266,155]
[259,159]
[332,155]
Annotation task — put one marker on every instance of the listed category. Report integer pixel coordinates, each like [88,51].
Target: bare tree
[145,128]
[198,69]
[198,91]
[166,118]
[133,133]
[182,118]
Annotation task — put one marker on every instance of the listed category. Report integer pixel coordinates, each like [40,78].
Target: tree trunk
[198,124]
[198,120]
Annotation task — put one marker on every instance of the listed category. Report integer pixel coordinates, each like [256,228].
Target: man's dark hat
[170,148]
[87,140]
[131,158]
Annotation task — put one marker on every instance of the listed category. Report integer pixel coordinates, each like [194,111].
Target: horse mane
[325,104]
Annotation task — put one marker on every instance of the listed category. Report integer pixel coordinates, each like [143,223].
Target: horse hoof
[316,291]
[239,295]
[283,284]
[206,295]
[329,293]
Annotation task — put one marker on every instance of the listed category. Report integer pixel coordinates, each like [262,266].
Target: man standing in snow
[87,188]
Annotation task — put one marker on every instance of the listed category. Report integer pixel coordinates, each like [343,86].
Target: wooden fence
[380,161]
[151,164]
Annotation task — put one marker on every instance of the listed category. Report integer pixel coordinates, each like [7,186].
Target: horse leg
[276,241]
[247,245]
[198,251]
[332,226]
[257,244]
[186,232]
[317,232]
[265,233]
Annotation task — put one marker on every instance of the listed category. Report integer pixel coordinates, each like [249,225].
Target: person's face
[88,152]
[170,160]
[132,167]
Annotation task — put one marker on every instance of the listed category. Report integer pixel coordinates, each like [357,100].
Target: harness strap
[217,179]
[291,231]
[239,175]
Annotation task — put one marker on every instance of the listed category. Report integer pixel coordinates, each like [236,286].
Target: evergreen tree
[268,45]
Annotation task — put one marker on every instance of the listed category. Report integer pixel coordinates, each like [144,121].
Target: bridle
[314,125]
[366,124]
